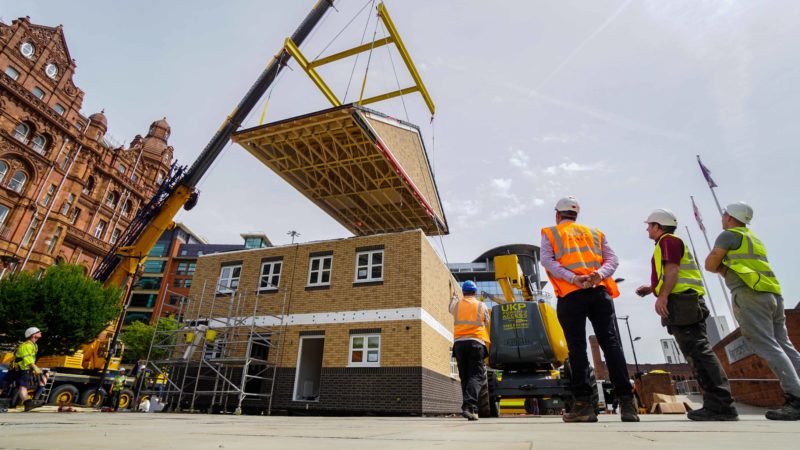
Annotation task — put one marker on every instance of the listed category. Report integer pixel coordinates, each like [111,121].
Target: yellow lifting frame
[394,38]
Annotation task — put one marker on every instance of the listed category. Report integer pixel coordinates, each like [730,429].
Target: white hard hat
[31,331]
[740,211]
[663,217]
[122,369]
[568,204]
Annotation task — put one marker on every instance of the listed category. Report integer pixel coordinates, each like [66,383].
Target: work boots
[582,411]
[28,404]
[628,409]
[469,415]
[789,411]
[706,415]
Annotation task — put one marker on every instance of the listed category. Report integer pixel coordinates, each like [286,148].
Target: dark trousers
[596,305]
[693,342]
[472,371]
[115,397]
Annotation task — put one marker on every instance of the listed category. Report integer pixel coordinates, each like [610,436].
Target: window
[365,350]
[99,231]
[89,186]
[64,163]
[21,132]
[229,279]
[3,213]
[453,365]
[79,126]
[59,109]
[254,242]
[159,250]
[76,212]
[3,170]
[159,178]
[115,235]
[12,72]
[67,204]
[51,70]
[270,276]
[186,268]
[54,240]
[143,300]
[112,198]
[175,299]
[369,266]
[126,208]
[27,49]
[187,282]
[149,283]
[134,177]
[29,234]
[17,182]
[38,92]
[49,195]
[319,271]
[151,266]
[121,168]
[39,143]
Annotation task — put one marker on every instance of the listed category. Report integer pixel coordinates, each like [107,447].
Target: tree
[138,336]
[70,308]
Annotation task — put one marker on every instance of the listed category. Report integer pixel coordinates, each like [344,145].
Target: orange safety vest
[578,249]
[471,320]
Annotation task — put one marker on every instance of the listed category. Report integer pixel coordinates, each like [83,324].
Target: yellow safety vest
[749,261]
[119,383]
[689,276]
[25,355]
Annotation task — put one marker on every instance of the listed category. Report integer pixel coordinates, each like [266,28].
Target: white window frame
[53,241]
[4,210]
[228,283]
[27,50]
[269,275]
[369,266]
[320,271]
[26,239]
[59,109]
[12,72]
[100,229]
[115,235]
[73,217]
[67,204]
[17,182]
[38,92]
[365,349]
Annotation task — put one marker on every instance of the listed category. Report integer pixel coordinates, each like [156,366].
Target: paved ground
[94,430]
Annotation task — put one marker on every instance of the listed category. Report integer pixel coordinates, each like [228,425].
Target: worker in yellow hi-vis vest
[25,362]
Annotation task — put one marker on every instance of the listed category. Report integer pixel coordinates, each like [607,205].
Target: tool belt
[686,308]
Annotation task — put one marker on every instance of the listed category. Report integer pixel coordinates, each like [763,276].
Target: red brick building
[678,372]
[67,189]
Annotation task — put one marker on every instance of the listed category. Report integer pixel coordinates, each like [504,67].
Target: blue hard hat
[468,287]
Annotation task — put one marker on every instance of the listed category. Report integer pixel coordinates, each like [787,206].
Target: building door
[309,368]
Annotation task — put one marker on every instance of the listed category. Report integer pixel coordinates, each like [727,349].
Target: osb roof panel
[368,171]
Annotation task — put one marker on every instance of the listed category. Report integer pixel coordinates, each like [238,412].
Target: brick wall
[757,393]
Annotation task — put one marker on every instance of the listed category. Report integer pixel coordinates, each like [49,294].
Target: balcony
[88,241]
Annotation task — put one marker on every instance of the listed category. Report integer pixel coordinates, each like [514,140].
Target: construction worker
[741,258]
[25,363]
[677,283]
[579,264]
[471,339]
[116,388]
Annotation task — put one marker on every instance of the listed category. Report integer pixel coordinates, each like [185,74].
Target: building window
[134,177]
[154,266]
[186,268]
[79,126]
[12,72]
[21,132]
[54,240]
[115,235]
[38,92]
[159,178]
[112,198]
[270,276]
[187,282]
[27,49]
[3,213]
[453,365]
[17,182]
[49,195]
[229,279]
[39,144]
[369,266]
[99,231]
[149,283]
[89,186]
[67,204]
[51,70]
[121,168]
[3,170]
[74,216]
[159,250]
[319,271]
[126,208]
[365,350]
[29,234]
[59,109]
[174,300]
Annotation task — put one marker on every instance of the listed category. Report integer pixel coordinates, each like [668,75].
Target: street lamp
[630,336]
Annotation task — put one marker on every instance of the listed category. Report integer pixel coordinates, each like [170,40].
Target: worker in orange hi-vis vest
[471,339]
[580,265]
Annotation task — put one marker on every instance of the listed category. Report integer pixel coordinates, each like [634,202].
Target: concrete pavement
[94,430]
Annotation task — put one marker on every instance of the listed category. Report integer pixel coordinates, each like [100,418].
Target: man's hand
[595,278]
[644,290]
[36,369]
[582,281]
[661,307]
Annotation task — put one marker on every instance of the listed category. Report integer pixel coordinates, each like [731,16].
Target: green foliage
[137,338]
[70,308]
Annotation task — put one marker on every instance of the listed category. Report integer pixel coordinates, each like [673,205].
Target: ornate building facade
[67,190]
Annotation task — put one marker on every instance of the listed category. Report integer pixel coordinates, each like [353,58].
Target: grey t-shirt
[730,240]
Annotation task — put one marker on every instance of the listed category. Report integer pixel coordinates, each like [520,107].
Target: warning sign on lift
[514,316]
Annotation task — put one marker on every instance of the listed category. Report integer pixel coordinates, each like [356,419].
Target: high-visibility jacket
[25,355]
[471,320]
[749,261]
[689,276]
[578,249]
[119,383]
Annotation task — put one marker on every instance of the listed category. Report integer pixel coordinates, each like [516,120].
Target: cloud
[572,167]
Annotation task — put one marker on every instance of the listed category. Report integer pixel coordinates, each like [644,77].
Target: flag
[706,173]
[697,216]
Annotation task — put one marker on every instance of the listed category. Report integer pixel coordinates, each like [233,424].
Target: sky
[605,100]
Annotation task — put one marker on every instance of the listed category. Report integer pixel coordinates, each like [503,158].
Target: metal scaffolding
[222,356]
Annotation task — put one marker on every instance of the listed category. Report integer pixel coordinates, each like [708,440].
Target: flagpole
[711,184]
[708,293]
